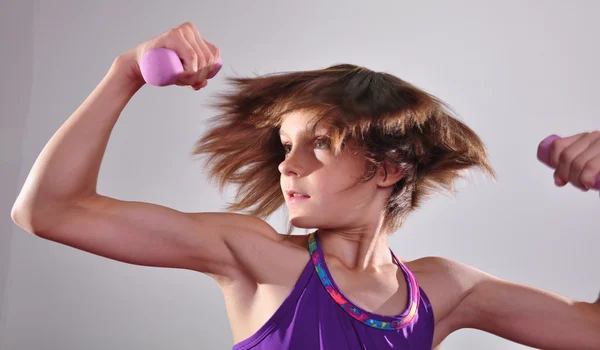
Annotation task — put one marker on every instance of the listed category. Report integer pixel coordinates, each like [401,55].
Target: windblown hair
[389,119]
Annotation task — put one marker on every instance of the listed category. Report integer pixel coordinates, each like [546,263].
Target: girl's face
[336,199]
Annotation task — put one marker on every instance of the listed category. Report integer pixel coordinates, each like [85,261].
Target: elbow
[21,215]
[29,218]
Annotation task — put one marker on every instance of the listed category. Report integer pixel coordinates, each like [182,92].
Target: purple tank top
[317,315]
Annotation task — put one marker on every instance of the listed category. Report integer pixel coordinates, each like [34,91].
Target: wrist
[126,68]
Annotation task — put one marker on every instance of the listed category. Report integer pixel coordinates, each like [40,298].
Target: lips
[295,193]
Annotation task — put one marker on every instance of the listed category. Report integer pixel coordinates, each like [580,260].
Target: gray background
[515,71]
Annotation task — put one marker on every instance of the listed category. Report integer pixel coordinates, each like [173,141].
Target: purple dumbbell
[543,154]
[162,67]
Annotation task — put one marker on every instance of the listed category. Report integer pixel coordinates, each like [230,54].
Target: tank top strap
[413,284]
[371,319]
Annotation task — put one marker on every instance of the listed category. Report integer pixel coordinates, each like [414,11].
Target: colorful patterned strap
[399,321]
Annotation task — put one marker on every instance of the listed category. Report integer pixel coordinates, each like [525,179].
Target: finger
[209,59]
[557,147]
[217,55]
[200,85]
[591,167]
[205,57]
[590,173]
[188,33]
[186,53]
[566,152]
[571,161]
[557,180]
[188,30]
[582,163]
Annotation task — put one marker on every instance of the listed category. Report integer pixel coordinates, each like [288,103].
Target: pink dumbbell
[162,67]
[543,155]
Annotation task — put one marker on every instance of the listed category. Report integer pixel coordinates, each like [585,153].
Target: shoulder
[446,282]
[447,269]
[260,254]
[296,241]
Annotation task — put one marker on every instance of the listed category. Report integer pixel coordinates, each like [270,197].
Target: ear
[393,175]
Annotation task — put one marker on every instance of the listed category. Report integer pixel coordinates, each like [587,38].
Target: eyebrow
[322,131]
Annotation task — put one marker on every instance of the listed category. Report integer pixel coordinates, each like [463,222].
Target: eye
[320,143]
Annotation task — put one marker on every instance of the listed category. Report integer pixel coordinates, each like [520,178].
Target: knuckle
[565,157]
[201,59]
[209,59]
[174,32]
[591,167]
[191,53]
[558,145]
[555,153]
[578,164]
[181,32]
[563,173]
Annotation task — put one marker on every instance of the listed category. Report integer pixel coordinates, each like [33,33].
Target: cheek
[337,184]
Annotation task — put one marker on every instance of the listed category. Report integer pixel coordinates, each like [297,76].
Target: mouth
[295,195]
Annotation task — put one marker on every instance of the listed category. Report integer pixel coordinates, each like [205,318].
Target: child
[350,152]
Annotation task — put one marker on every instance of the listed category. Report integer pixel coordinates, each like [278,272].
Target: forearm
[67,168]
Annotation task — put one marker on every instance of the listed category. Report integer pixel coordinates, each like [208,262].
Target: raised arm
[59,200]
[527,315]
[523,314]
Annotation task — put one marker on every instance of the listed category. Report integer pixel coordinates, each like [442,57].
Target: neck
[358,251]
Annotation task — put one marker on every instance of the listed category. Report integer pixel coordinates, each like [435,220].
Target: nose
[291,166]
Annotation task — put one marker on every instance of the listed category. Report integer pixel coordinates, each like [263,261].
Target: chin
[304,221]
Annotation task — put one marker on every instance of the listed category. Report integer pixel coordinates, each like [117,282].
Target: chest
[249,308]
[250,305]
[312,319]
[385,292]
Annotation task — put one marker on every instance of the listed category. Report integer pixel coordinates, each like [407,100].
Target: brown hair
[390,119]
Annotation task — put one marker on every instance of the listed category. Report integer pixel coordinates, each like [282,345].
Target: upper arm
[524,314]
[152,235]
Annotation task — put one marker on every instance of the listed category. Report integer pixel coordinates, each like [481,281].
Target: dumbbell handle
[543,154]
[162,67]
